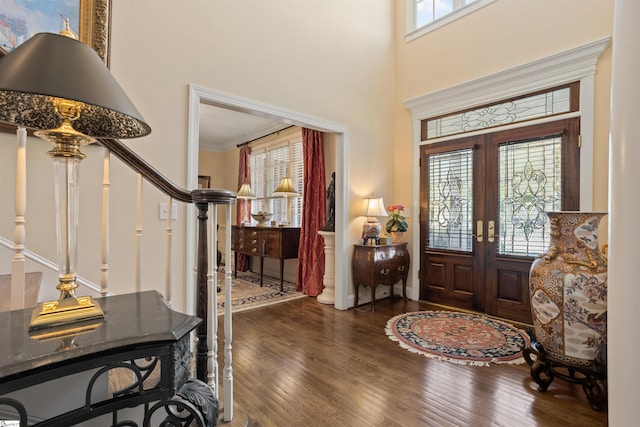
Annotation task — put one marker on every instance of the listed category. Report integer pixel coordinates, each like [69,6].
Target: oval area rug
[457,337]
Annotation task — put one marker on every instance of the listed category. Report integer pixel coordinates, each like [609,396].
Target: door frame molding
[198,95]
[577,64]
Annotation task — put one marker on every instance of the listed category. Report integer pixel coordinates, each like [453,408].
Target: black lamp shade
[50,65]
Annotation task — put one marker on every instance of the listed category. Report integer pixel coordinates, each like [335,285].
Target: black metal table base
[592,377]
[193,405]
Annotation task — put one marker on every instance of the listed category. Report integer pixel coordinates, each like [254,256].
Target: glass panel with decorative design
[530,183]
[518,110]
[451,200]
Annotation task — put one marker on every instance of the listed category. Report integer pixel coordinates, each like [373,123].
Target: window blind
[268,166]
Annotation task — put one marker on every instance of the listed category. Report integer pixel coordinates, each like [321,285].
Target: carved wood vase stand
[568,288]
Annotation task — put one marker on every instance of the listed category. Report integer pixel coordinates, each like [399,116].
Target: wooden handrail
[200,198]
[162,183]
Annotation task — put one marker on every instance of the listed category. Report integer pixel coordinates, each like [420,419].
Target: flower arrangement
[396,221]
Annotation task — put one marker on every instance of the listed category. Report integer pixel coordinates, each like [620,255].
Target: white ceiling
[222,129]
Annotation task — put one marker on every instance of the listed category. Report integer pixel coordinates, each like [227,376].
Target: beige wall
[334,60]
[331,60]
[211,163]
[500,36]
[222,167]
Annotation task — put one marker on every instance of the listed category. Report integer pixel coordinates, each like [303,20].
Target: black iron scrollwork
[193,404]
[18,407]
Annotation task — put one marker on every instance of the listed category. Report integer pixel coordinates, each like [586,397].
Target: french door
[482,224]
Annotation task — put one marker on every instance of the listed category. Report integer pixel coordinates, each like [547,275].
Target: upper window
[424,16]
[269,164]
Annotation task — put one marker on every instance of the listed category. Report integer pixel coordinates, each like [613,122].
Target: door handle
[491,229]
[478,234]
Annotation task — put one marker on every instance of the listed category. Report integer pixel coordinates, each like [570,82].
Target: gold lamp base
[65,311]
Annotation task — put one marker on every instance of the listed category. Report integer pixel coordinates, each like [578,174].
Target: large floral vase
[568,288]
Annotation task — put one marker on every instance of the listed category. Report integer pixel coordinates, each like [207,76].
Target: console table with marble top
[140,336]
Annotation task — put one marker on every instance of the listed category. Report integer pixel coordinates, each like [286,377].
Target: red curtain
[311,250]
[244,205]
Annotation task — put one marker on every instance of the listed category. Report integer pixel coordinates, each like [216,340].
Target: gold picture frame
[94,24]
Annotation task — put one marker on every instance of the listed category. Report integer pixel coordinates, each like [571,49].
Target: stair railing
[206,202]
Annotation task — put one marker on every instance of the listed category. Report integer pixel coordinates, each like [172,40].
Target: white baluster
[139,236]
[227,385]
[194,341]
[168,255]
[212,315]
[104,232]
[18,262]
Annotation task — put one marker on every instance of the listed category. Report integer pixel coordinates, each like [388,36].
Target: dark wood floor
[303,363]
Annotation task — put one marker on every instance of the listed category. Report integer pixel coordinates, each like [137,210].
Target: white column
[624,226]
[328,295]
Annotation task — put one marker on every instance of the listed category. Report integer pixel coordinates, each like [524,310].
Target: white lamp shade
[371,228]
[374,207]
[285,188]
[245,192]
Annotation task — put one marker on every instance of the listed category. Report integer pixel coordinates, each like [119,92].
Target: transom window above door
[547,103]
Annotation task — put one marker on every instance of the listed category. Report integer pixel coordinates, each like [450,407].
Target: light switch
[174,211]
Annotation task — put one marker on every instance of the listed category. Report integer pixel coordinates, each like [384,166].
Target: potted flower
[396,224]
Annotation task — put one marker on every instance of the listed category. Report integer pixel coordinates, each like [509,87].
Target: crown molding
[565,67]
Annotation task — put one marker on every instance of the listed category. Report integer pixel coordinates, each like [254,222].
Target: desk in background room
[265,242]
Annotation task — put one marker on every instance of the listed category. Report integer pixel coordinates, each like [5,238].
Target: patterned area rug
[246,293]
[461,338]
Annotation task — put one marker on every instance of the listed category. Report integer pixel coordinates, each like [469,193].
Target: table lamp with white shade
[287,190]
[371,228]
[245,193]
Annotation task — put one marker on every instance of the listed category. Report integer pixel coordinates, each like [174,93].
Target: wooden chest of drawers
[380,265]
[266,242]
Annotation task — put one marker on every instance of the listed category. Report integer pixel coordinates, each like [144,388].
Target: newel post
[201,292]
